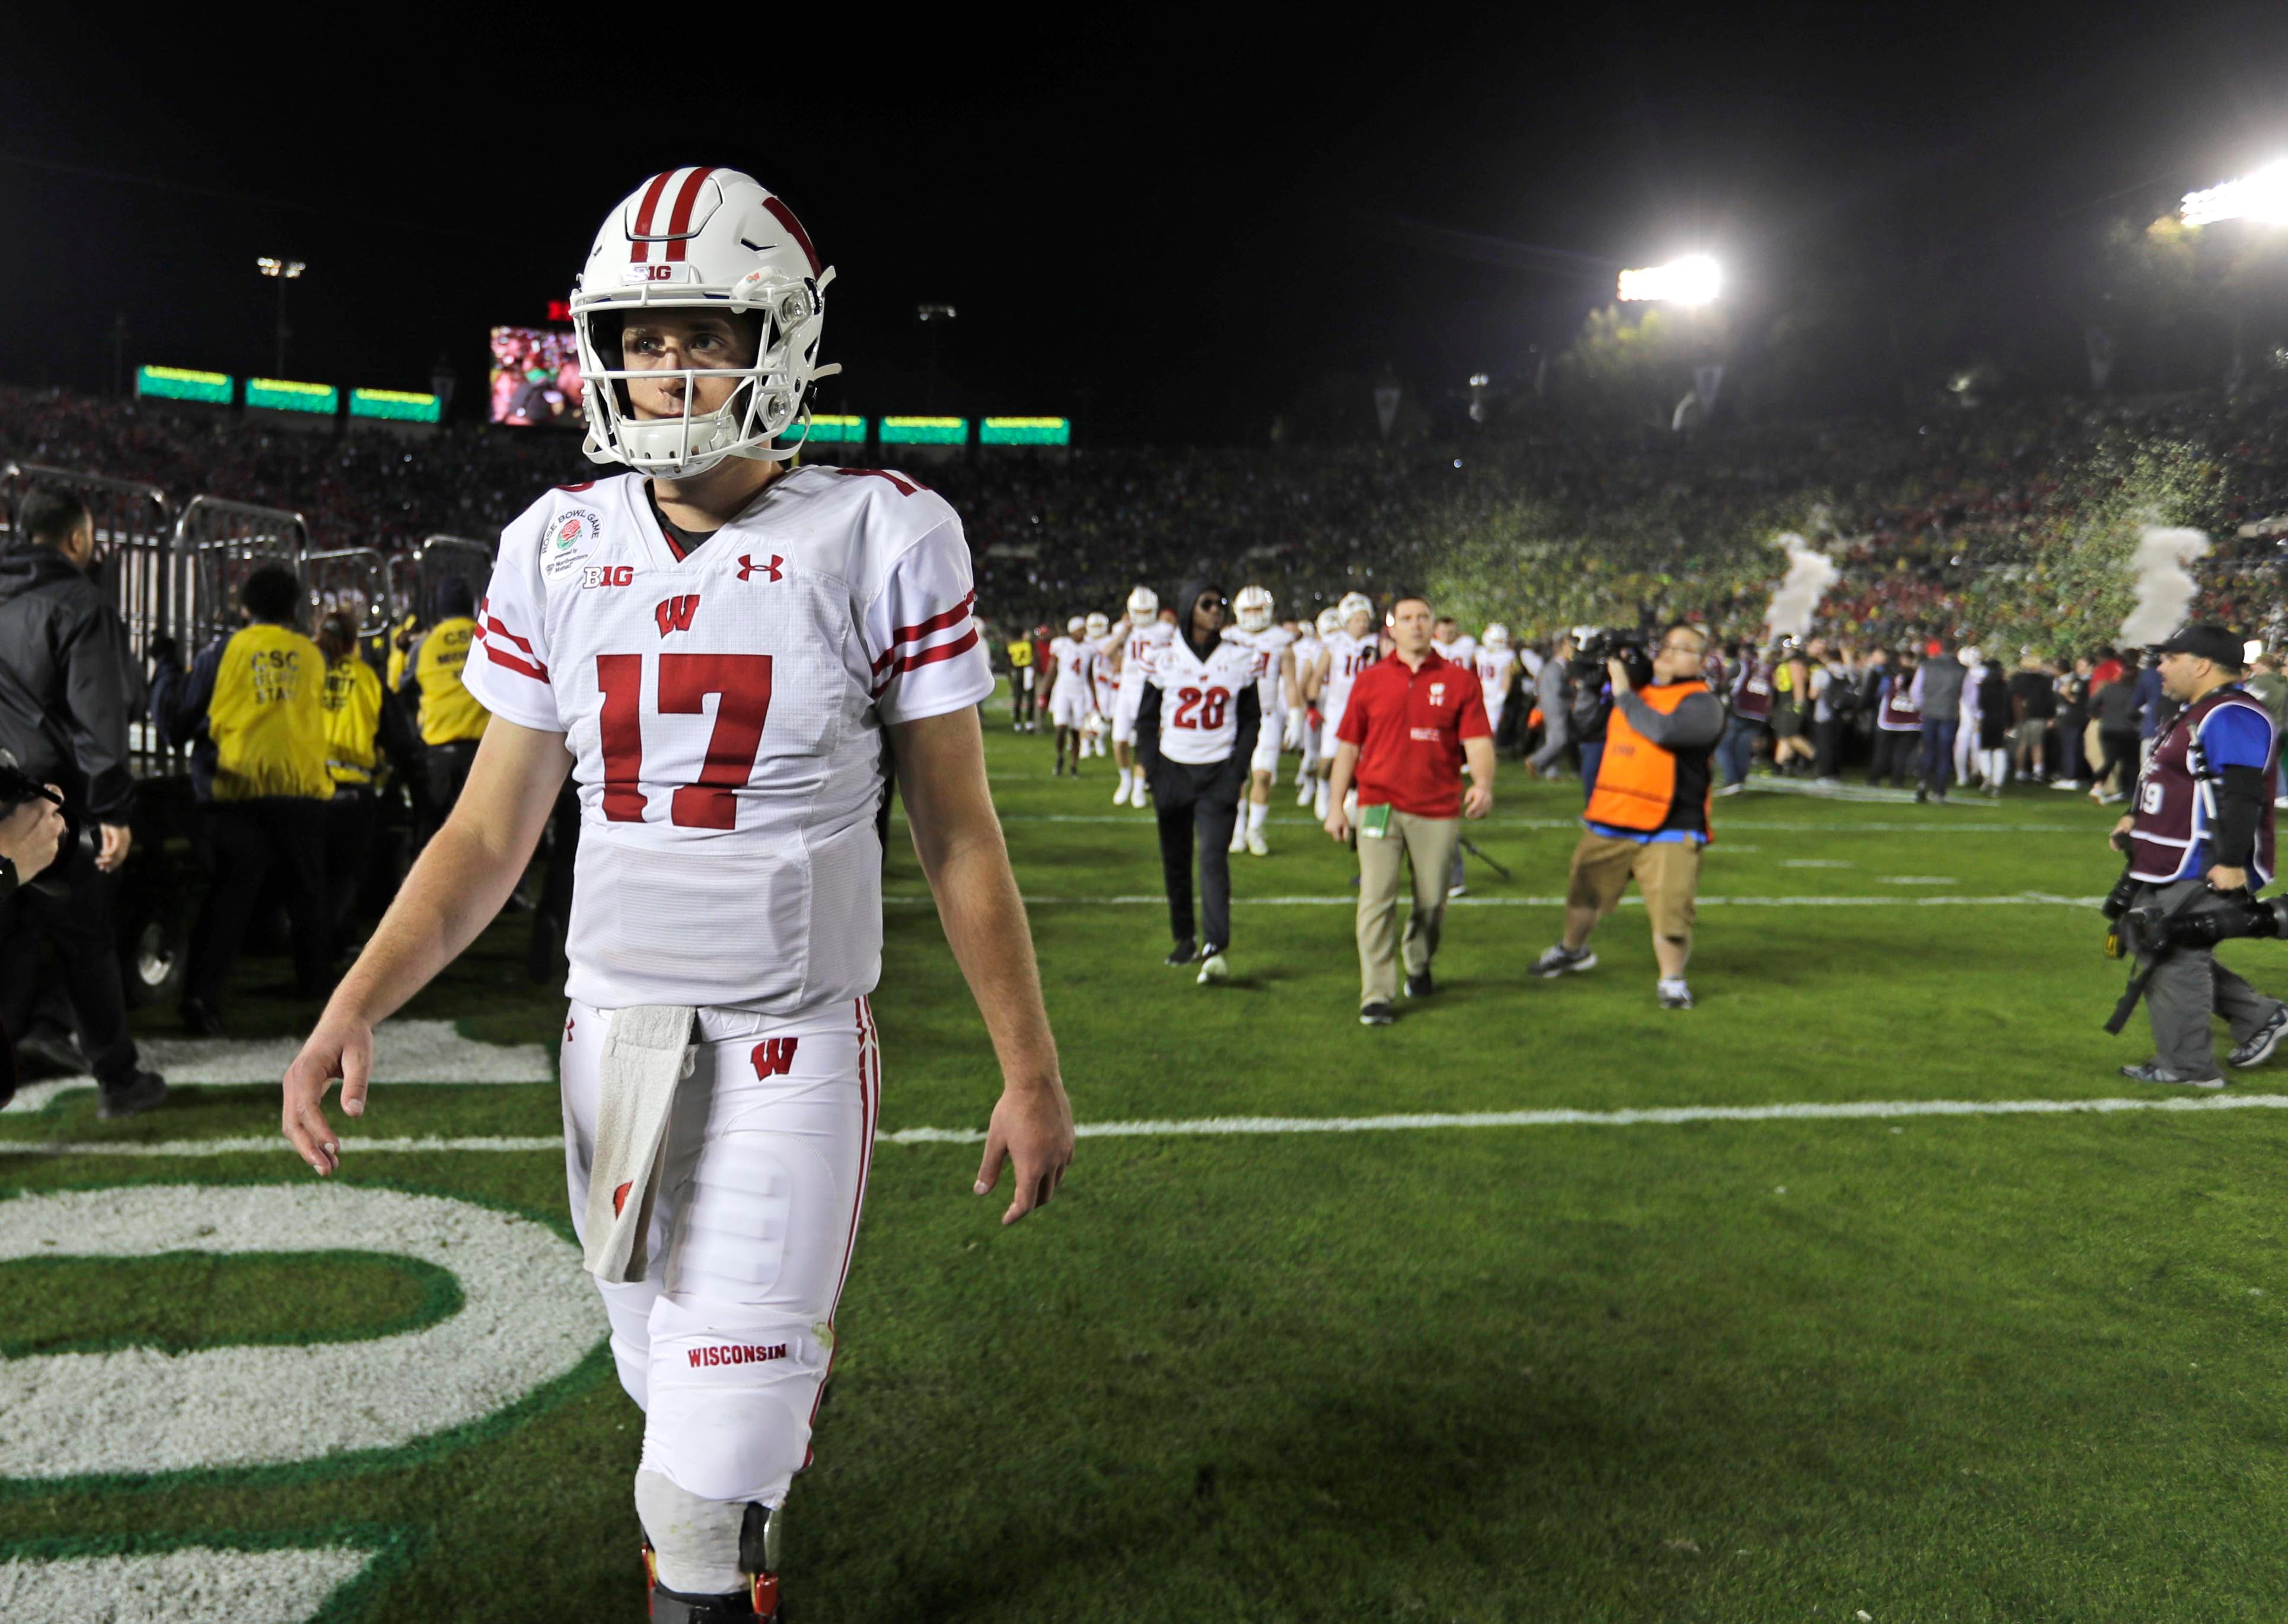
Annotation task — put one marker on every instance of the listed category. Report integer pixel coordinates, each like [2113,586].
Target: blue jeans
[1593,751]
[1938,755]
[1737,747]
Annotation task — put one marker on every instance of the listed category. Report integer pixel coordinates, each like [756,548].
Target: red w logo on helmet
[674,614]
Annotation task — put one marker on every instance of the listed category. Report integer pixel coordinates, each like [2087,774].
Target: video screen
[536,378]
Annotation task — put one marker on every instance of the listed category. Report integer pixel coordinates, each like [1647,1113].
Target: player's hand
[1478,801]
[341,1047]
[1339,824]
[2119,839]
[31,835]
[117,837]
[1033,1129]
[1315,719]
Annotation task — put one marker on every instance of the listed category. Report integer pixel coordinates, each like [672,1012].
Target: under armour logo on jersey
[748,567]
[674,614]
[775,1056]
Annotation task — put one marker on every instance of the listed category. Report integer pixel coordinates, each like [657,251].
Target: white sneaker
[1238,841]
[1458,891]
[1214,968]
[1141,795]
[1303,795]
[1257,846]
[1120,795]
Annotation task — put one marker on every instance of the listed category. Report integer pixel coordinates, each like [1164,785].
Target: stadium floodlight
[288,268]
[1694,280]
[2262,197]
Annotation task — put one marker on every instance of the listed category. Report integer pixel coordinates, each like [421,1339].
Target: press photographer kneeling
[2200,846]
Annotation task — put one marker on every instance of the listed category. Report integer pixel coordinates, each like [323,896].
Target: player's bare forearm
[957,836]
[465,873]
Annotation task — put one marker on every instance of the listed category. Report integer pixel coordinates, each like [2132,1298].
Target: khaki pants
[1667,872]
[1429,844]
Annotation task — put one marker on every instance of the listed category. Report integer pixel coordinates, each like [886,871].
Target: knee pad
[707,1550]
[730,1411]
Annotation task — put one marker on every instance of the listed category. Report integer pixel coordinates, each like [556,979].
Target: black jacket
[68,682]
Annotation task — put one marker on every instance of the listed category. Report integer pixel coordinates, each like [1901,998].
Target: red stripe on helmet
[784,215]
[679,224]
[643,214]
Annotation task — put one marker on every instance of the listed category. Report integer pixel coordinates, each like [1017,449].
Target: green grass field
[1905,1368]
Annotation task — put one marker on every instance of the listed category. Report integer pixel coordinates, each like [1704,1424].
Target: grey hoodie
[1941,679]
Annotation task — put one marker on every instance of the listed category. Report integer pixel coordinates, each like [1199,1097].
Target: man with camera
[30,835]
[67,685]
[2200,845]
[1648,817]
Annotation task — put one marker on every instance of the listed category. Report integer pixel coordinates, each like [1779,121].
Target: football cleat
[1238,840]
[1257,846]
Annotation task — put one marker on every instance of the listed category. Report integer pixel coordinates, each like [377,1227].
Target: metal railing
[217,545]
[440,559]
[353,582]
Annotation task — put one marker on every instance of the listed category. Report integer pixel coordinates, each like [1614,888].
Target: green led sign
[403,405]
[924,430]
[1025,432]
[180,384]
[829,430]
[279,395]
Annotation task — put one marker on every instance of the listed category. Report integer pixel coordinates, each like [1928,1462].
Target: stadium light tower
[282,270]
[2261,197]
[1695,280]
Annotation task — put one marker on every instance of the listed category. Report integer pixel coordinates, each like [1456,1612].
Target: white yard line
[1228,1127]
[192,1585]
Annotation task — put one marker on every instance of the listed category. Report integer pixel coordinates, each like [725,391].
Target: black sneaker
[1922,795]
[1184,953]
[1559,959]
[1417,985]
[1374,1014]
[2153,1072]
[142,1092]
[2263,1041]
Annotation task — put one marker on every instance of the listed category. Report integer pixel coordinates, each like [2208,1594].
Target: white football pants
[725,1342]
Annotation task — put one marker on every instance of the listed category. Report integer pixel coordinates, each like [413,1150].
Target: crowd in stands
[1970,519]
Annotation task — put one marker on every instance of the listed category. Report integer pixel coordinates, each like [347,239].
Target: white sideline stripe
[2024,898]
[417,1051]
[1227,1127]
[195,1585]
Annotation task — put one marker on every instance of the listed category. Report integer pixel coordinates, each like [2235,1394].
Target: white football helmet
[1331,621]
[708,239]
[1075,626]
[1253,607]
[1355,605]
[1099,625]
[1497,636]
[1143,606]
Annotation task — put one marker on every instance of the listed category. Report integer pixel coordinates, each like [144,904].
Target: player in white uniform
[1098,635]
[1495,663]
[1141,638]
[1073,658]
[1349,649]
[1303,722]
[1452,643]
[1275,691]
[718,654]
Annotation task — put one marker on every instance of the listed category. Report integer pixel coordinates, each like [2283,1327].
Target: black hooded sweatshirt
[68,682]
[1231,777]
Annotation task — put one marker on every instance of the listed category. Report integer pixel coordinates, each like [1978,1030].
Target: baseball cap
[2204,641]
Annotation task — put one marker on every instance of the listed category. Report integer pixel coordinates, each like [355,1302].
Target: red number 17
[742,683]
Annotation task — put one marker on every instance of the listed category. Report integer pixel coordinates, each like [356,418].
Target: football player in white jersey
[1097,633]
[1073,658]
[1276,692]
[1140,640]
[1354,644]
[1452,643]
[1196,731]
[1496,664]
[1310,643]
[717,650]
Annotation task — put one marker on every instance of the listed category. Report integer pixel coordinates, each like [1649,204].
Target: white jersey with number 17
[724,714]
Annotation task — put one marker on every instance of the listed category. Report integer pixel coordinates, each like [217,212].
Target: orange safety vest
[1636,779]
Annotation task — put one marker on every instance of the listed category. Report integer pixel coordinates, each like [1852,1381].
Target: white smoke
[2165,592]
[1809,575]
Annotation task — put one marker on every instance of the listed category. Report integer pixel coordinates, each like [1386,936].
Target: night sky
[1163,231]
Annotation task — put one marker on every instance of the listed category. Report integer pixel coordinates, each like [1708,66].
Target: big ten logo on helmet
[569,538]
[608,575]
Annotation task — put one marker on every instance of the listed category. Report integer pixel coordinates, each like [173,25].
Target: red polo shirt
[1408,726]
